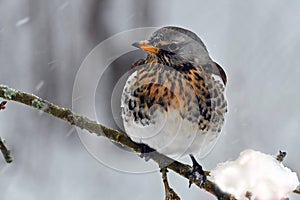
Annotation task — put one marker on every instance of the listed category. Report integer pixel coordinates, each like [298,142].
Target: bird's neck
[166,59]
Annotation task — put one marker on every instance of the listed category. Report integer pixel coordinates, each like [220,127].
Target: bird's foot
[145,151]
[197,175]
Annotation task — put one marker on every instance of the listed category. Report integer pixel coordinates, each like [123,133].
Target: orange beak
[145,45]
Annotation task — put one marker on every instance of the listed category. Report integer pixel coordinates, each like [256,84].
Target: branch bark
[169,192]
[116,136]
[5,152]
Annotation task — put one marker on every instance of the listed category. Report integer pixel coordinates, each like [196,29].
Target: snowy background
[43,43]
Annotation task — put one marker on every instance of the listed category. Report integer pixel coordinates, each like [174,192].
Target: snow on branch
[254,175]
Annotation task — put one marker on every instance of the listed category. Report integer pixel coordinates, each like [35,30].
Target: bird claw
[197,175]
[145,151]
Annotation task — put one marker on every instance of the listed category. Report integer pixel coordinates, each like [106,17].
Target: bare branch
[169,192]
[297,191]
[100,130]
[5,151]
[2,105]
[281,155]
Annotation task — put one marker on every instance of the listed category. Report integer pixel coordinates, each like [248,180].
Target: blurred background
[43,43]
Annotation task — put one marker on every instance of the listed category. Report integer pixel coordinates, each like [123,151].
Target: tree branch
[2,105]
[169,192]
[5,152]
[100,130]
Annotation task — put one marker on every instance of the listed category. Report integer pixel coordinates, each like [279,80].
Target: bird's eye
[172,47]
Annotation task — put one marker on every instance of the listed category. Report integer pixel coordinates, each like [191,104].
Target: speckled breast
[175,110]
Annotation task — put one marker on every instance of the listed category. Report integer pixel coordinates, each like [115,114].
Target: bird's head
[176,46]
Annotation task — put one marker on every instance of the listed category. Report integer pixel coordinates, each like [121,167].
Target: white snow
[260,174]
[39,85]
[23,21]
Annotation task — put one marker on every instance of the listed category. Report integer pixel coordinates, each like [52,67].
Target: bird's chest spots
[149,90]
[161,88]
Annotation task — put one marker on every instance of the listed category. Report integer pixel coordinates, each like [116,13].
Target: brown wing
[215,68]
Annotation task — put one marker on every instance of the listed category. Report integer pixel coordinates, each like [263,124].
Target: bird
[174,98]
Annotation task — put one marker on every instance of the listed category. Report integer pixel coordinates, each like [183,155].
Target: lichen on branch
[100,130]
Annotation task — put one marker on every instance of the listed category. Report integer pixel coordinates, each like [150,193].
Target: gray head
[178,46]
[178,41]
[182,42]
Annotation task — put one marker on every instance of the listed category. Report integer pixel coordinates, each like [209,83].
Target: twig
[100,130]
[248,195]
[169,192]
[297,191]
[281,155]
[2,105]
[5,151]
